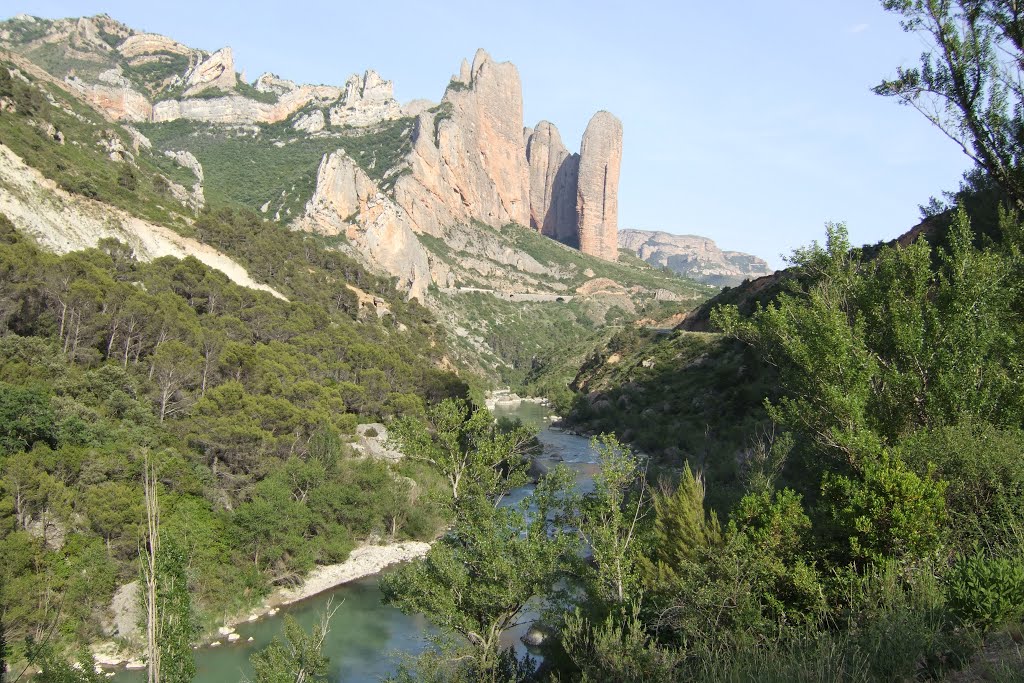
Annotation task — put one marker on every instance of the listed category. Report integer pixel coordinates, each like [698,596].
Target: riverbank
[364,561]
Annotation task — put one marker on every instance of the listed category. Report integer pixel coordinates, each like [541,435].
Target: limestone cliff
[597,192]
[368,99]
[348,202]
[553,181]
[698,258]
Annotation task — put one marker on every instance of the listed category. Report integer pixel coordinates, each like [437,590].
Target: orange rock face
[553,177]
[469,160]
[597,191]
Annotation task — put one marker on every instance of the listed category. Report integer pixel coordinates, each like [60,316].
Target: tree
[3,638]
[477,580]
[170,624]
[682,529]
[969,84]
[298,657]
[608,521]
[174,366]
[467,448]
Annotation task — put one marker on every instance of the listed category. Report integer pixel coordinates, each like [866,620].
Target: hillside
[168,133]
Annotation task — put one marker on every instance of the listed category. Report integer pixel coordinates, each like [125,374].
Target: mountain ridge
[693,256]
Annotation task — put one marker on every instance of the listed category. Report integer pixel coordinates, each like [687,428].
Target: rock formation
[269,82]
[367,100]
[469,160]
[151,43]
[348,202]
[119,102]
[597,192]
[698,258]
[553,181]
[217,71]
[236,109]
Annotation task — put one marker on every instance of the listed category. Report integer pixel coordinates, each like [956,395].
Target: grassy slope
[276,164]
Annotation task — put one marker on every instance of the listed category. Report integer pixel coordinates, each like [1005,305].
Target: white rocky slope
[63,222]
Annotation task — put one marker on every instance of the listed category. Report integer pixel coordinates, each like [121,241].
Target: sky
[751,123]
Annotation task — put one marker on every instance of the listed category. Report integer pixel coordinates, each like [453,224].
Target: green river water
[367,638]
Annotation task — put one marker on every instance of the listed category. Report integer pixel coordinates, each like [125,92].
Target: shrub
[986,592]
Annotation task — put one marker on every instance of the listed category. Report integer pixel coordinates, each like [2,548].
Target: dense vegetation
[274,165]
[243,401]
[873,533]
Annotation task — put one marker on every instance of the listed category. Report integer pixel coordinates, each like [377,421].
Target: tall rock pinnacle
[469,159]
[597,201]
[553,174]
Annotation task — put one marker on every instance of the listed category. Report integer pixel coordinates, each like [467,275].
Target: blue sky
[751,123]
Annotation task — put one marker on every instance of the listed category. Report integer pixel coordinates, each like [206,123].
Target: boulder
[534,637]
[373,442]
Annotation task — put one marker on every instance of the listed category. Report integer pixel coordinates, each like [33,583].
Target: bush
[986,592]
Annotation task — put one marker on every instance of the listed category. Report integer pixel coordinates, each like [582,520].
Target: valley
[250,330]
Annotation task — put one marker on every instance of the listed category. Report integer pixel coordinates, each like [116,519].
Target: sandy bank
[364,561]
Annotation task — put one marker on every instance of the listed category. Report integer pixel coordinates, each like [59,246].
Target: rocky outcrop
[347,201]
[217,71]
[469,159]
[313,122]
[553,182]
[597,200]
[269,82]
[414,108]
[698,258]
[367,100]
[119,102]
[151,43]
[235,109]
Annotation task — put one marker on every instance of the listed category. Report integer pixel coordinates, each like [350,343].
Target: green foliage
[77,159]
[609,521]
[178,627]
[257,395]
[476,456]
[619,651]
[985,591]
[254,169]
[965,84]
[682,529]
[477,580]
[297,658]
[983,467]
[888,511]
[152,76]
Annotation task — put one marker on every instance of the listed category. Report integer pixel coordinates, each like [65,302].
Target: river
[367,637]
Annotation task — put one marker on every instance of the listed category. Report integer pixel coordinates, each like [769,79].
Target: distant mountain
[695,257]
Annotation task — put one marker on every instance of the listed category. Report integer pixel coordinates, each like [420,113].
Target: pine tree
[682,529]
